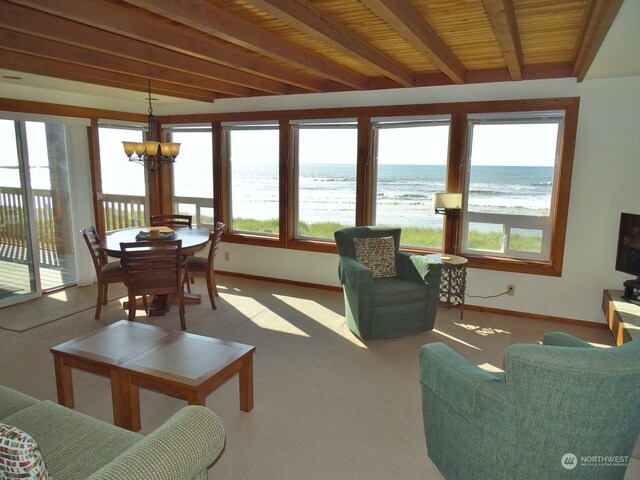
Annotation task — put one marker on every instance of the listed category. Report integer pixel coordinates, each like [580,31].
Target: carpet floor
[326,404]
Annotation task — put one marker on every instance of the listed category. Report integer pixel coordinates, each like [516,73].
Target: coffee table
[135,355]
[189,367]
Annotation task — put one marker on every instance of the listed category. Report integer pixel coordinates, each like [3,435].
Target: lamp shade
[170,149]
[139,148]
[151,147]
[129,148]
[447,201]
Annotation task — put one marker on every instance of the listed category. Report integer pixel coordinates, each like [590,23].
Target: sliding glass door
[17,263]
[36,238]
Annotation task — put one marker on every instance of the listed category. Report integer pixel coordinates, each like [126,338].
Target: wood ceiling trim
[403,17]
[597,20]
[22,62]
[306,18]
[21,42]
[502,16]
[218,23]
[31,22]
[117,19]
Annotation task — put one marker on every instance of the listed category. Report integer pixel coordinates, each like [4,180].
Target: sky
[497,144]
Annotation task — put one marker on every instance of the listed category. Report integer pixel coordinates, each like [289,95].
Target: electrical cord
[506,292]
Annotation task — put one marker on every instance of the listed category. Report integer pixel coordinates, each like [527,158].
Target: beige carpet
[326,405]
[49,308]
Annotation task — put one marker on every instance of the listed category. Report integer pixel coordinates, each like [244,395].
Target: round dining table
[193,239]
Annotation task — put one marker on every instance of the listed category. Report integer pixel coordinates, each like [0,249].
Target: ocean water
[404,193]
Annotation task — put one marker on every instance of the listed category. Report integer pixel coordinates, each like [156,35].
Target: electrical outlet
[226,256]
[511,290]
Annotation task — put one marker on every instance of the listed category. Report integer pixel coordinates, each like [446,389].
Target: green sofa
[377,308]
[562,410]
[76,446]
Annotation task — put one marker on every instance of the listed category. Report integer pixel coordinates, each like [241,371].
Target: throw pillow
[377,254]
[20,457]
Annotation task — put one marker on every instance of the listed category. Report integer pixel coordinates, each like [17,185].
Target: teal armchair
[561,410]
[377,308]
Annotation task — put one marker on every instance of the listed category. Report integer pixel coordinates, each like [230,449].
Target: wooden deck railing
[203,208]
[13,230]
[123,211]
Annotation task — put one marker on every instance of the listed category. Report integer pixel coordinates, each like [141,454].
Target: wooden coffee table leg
[129,396]
[197,397]
[119,394]
[246,384]
[64,382]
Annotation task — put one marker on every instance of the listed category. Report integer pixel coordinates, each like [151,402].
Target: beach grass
[411,236]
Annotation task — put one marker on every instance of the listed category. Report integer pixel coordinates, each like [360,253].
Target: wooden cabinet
[622,317]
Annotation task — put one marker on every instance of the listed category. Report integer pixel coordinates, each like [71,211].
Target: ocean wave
[417,196]
[319,178]
[487,193]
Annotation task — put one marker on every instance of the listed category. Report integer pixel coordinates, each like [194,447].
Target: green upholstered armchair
[388,307]
[561,410]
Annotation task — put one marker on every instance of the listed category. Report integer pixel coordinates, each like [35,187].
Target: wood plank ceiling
[208,49]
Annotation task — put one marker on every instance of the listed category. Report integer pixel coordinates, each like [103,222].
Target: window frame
[347,123]
[225,168]
[397,122]
[101,198]
[168,135]
[512,221]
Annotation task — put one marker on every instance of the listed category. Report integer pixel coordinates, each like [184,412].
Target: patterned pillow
[20,456]
[377,254]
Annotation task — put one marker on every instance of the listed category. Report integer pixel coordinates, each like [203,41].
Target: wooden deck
[55,270]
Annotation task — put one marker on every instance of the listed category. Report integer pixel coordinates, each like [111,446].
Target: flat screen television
[628,253]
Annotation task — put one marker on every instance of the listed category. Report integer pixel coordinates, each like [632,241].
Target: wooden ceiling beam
[32,22]
[21,42]
[22,62]
[218,23]
[596,22]
[306,18]
[405,19]
[502,16]
[137,25]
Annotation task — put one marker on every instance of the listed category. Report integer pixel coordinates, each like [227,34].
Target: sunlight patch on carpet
[451,337]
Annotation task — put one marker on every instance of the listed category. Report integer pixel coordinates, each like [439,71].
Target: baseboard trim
[498,311]
[280,280]
[537,316]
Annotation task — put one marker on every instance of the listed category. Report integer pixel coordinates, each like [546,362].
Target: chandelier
[151,153]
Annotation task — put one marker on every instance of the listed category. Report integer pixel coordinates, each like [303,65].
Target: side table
[453,282]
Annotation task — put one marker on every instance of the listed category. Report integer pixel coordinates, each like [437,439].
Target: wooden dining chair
[106,272]
[153,268]
[204,267]
[171,220]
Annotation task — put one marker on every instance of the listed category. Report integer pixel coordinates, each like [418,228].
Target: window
[411,163]
[253,159]
[123,182]
[326,156]
[193,173]
[511,184]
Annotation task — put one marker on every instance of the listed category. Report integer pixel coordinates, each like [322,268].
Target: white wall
[605,182]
